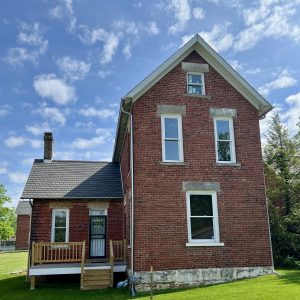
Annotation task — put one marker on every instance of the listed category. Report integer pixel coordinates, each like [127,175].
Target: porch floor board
[72,268]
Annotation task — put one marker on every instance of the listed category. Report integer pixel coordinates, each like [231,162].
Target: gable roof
[59,179]
[214,59]
[23,208]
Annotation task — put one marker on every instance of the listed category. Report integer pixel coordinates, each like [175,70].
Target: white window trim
[232,141]
[180,141]
[196,84]
[53,223]
[204,242]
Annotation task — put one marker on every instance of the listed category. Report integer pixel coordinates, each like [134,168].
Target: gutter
[132,189]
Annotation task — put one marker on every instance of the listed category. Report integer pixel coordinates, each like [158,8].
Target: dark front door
[97,236]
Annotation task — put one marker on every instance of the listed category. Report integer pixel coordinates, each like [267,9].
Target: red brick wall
[160,203]
[22,233]
[78,223]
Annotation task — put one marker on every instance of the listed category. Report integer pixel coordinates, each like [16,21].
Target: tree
[7,216]
[281,166]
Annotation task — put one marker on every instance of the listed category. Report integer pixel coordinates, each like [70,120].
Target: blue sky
[64,66]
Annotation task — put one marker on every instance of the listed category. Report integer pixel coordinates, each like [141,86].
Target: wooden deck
[69,258]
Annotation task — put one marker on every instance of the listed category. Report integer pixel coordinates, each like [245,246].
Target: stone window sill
[208,97]
[204,244]
[167,163]
[219,164]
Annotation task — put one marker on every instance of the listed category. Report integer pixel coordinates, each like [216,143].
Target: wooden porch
[69,258]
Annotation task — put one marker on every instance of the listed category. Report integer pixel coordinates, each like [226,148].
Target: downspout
[132,191]
[29,241]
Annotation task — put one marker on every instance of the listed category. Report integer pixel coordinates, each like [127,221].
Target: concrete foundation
[196,277]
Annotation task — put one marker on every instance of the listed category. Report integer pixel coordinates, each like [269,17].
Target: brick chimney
[48,140]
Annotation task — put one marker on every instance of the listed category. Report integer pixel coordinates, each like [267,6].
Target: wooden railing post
[111,259]
[82,264]
[125,249]
[33,254]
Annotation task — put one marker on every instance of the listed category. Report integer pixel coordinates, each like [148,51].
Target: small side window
[60,225]
[195,84]
[224,140]
[172,148]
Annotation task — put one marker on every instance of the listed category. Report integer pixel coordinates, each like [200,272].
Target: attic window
[195,84]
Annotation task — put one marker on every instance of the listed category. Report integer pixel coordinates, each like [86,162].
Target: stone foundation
[196,277]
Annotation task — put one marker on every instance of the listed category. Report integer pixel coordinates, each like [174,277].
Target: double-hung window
[202,211]
[195,83]
[224,140]
[172,148]
[60,225]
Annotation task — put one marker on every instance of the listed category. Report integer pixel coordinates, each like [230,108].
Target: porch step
[94,279]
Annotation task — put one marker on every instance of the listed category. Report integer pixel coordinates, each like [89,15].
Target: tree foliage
[281,166]
[7,216]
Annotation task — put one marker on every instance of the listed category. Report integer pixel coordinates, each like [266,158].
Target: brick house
[185,188]
[23,212]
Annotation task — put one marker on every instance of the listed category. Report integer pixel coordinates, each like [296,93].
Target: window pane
[223,130]
[171,150]
[224,151]
[60,219]
[171,128]
[194,78]
[202,228]
[201,205]
[60,235]
[195,89]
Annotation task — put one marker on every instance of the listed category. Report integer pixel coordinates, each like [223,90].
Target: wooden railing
[57,253]
[117,252]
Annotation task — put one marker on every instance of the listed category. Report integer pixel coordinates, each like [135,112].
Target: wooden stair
[94,279]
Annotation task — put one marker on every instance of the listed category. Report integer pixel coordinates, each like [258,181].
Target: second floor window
[60,225]
[224,140]
[195,84]
[172,149]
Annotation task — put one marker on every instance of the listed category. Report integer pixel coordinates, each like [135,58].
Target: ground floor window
[60,225]
[202,213]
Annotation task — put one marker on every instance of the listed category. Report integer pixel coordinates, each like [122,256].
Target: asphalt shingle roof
[59,179]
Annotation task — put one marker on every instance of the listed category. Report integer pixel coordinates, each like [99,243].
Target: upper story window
[60,225]
[224,140]
[203,223]
[172,148]
[195,83]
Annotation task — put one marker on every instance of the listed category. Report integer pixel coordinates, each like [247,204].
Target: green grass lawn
[14,287]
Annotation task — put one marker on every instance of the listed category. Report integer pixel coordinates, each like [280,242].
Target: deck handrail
[119,250]
[57,252]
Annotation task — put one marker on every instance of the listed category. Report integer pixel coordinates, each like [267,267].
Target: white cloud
[292,114]
[152,28]
[182,13]
[17,177]
[4,110]
[35,143]
[198,13]
[49,86]
[28,161]
[104,73]
[217,38]
[272,18]
[14,141]
[52,114]
[18,56]
[38,129]
[103,136]
[3,167]
[127,51]
[85,125]
[128,27]
[99,113]
[33,35]
[109,39]
[284,80]
[73,69]
[65,10]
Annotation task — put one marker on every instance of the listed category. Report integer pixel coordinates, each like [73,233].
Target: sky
[65,64]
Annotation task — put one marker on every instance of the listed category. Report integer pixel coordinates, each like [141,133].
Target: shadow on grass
[289,276]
